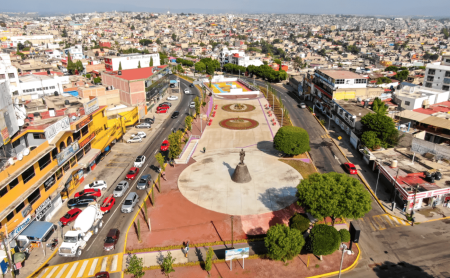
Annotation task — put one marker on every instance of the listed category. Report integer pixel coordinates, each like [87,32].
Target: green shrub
[291,140]
[324,240]
[345,235]
[299,222]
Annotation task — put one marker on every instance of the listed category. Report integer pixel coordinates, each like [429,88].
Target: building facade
[131,61]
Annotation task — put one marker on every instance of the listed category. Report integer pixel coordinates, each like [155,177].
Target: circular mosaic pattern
[238,123]
[238,107]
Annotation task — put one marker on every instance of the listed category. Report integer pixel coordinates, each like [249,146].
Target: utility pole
[376,186]
[414,204]
[8,252]
[344,248]
[232,236]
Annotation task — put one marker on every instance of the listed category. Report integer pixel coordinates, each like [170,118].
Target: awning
[37,230]
[411,115]
[89,157]
[437,122]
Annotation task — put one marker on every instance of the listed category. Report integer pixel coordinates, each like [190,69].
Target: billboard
[240,253]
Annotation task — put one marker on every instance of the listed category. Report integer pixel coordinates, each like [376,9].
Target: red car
[162,111]
[165,146]
[108,203]
[103,274]
[89,192]
[350,168]
[164,107]
[70,216]
[132,174]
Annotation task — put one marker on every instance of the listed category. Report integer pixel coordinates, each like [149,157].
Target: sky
[439,8]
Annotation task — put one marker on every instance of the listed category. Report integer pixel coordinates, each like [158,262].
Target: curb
[43,264]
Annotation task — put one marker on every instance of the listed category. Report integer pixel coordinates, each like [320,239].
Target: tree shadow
[267,148]
[399,270]
[278,198]
[230,169]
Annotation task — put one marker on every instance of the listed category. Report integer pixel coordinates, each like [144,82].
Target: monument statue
[241,173]
[241,156]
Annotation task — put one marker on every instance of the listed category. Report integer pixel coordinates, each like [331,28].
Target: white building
[35,86]
[53,53]
[237,57]
[76,52]
[35,39]
[8,73]
[413,97]
[131,61]
[438,76]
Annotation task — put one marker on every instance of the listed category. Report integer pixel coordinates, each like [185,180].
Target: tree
[139,64]
[120,65]
[324,240]
[291,140]
[200,67]
[174,37]
[160,160]
[402,75]
[132,27]
[299,222]
[175,144]
[64,33]
[370,140]
[345,235]
[70,65]
[379,106]
[151,62]
[383,126]
[79,66]
[158,41]
[167,263]
[333,194]
[208,261]
[197,105]
[136,267]
[283,243]
[188,121]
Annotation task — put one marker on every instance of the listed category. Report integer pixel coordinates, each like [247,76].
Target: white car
[144,125]
[172,98]
[139,134]
[192,105]
[120,189]
[134,139]
[96,185]
[139,162]
[186,91]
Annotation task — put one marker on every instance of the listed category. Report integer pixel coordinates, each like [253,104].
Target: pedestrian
[404,208]
[186,249]
[204,150]
[163,175]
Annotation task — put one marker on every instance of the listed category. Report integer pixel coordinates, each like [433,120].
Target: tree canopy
[175,144]
[333,194]
[283,243]
[291,140]
[324,240]
[383,126]
[379,106]
[211,65]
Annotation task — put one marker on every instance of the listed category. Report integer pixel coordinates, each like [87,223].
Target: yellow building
[54,155]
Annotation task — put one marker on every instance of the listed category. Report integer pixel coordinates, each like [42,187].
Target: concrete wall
[423,147]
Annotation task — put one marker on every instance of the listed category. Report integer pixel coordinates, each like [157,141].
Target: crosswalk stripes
[382,222]
[84,268]
[325,136]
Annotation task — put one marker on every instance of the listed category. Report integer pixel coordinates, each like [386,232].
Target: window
[38,136]
[34,196]
[2,76]
[3,191]
[11,75]
[80,155]
[340,81]
[49,183]
[431,71]
[13,183]
[447,74]
[407,103]
[59,174]
[445,88]
[28,174]
[54,153]
[360,81]
[16,143]
[430,78]
[52,87]
[10,216]
[428,85]
[66,167]
[447,60]
[44,161]
[84,131]
[69,141]
[62,146]
[20,207]
[76,135]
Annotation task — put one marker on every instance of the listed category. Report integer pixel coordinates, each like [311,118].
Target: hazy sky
[378,7]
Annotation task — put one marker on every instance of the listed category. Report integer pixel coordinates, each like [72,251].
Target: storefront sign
[49,182]
[87,140]
[61,125]
[84,122]
[26,211]
[67,153]
[43,209]
[91,106]
[5,135]
[19,228]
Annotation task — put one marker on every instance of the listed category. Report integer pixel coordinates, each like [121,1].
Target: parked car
[172,98]
[135,139]
[120,189]
[111,239]
[144,125]
[132,173]
[149,120]
[162,107]
[165,146]
[162,111]
[144,182]
[192,105]
[139,162]
[191,85]
[108,203]
[302,105]
[103,274]
[350,168]
[172,85]
[130,202]
[97,184]
[175,115]
[83,201]
[89,192]
[139,134]
[186,91]
[70,216]
[166,103]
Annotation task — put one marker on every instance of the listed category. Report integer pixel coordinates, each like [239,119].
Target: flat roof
[342,74]
[435,108]
[136,74]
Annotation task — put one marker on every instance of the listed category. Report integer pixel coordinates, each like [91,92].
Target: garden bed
[236,107]
[238,123]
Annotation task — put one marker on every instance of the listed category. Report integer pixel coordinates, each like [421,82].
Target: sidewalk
[120,159]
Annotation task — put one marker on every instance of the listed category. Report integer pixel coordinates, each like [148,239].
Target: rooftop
[418,92]
[136,74]
[341,74]
[443,107]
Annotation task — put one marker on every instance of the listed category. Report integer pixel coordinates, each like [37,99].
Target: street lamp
[282,114]
[376,186]
[344,248]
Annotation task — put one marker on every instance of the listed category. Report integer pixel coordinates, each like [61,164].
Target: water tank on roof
[56,93]
[394,164]
[36,114]
[67,102]
[119,72]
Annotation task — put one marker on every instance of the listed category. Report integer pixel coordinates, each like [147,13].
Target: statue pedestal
[241,174]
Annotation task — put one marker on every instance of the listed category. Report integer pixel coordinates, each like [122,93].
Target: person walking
[204,150]
[186,250]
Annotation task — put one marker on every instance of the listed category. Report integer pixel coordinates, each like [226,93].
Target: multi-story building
[9,73]
[237,57]
[49,157]
[37,85]
[131,61]
[438,76]
[76,52]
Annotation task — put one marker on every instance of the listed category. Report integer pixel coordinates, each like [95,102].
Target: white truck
[87,224]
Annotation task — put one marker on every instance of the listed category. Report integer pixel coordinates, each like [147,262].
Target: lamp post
[376,186]
[344,248]
[282,114]
[414,204]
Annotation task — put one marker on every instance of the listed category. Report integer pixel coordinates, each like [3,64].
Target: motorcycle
[52,245]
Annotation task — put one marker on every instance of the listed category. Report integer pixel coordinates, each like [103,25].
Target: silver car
[144,182]
[130,202]
[120,189]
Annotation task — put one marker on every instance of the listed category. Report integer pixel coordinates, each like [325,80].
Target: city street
[117,219]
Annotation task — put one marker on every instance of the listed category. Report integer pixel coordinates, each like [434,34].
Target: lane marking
[114,262]
[62,271]
[43,273]
[52,271]
[105,259]
[72,270]
[92,270]
[82,269]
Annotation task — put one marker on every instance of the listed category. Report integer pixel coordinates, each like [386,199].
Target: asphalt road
[117,219]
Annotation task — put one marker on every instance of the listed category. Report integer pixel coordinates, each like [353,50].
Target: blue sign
[240,253]
[67,153]
[19,228]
